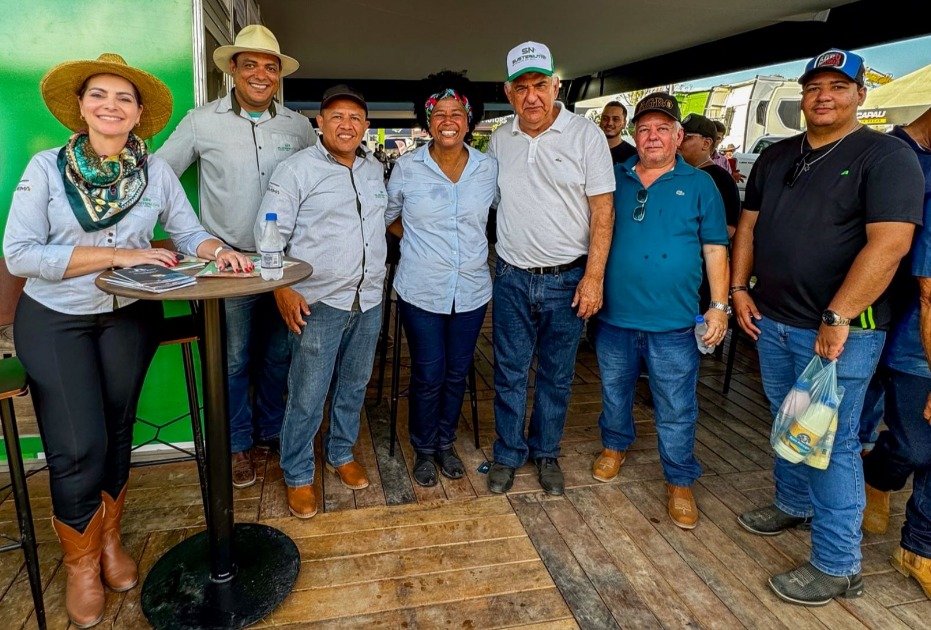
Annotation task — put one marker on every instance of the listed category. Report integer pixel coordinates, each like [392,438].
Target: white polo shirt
[543,186]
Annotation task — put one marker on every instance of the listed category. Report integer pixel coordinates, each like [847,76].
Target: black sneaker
[551,477]
[807,586]
[500,478]
[424,471]
[770,521]
[450,464]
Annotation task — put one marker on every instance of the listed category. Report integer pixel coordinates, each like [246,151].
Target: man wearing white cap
[555,219]
[239,140]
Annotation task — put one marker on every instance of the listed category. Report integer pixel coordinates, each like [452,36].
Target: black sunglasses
[641,210]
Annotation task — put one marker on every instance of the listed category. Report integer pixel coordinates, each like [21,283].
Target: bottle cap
[271,216]
[699,319]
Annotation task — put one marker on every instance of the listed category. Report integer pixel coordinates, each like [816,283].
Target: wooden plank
[274,499]
[496,611]
[157,544]
[651,586]
[336,496]
[396,483]
[350,570]
[411,592]
[56,617]
[580,594]
[364,452]
[915,615]
[615,589]
[411,537]
[16,605]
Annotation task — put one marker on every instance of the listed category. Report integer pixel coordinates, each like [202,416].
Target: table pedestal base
[179,594]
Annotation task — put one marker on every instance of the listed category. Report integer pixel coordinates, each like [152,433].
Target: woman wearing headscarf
[442,193]
[81,209]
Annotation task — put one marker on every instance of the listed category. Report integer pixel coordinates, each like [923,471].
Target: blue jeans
[834,497]
[903,450]
[873,406]
[256,344]
[532,314]
[672,361]
[441,349]
[333,354]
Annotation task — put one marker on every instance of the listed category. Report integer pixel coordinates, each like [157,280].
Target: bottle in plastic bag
[271,249]
[795,403]
[701,329]
[822,454]
[803,435]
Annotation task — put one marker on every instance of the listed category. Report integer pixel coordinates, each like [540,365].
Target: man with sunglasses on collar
[667,216]
[828,215]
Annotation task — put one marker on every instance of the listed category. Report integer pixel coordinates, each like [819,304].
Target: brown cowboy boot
[84,594]
[119,570]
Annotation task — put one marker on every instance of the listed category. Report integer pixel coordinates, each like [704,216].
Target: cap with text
[696,123]
[661,102]
[836,60]
[530,57]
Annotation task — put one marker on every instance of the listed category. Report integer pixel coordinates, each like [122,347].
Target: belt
[581,261]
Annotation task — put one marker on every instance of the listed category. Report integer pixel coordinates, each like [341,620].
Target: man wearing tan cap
[239,140]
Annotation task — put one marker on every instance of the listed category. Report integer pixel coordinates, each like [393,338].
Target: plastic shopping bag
[805,426]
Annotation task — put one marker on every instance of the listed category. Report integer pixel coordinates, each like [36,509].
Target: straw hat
[254,38]
[61,84]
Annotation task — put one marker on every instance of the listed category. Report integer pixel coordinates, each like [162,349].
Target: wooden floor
[396,555]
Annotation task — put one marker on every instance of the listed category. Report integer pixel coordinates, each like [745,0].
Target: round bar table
[231,575]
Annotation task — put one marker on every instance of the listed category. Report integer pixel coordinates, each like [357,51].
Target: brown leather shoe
[682,509]
[876,512]
[352,475]
[243,470]
[302,501]
[84,594]
[608,464]
[911,564]
[119,570]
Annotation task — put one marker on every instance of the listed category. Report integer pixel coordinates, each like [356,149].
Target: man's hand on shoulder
[292,307]
[589,296]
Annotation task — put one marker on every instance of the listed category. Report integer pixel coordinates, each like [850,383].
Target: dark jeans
[86,374]
[257,349]
[532,314]
[874,405]
[441,349]
[905,449]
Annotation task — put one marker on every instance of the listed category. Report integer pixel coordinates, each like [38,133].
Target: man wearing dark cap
[330,202]
[668,215]
[238,140]
[828,215]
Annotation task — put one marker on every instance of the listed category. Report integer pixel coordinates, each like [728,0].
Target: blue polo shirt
[903,351]
[655,265]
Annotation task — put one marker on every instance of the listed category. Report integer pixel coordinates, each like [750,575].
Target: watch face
[827,317]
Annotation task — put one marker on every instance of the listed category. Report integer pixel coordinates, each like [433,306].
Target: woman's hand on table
[293,307]
[234,260]
[153,256]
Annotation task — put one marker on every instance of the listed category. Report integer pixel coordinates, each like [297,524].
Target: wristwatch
[833,318]
[720,306]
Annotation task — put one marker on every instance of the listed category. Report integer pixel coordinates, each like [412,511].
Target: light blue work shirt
[333,217]
[42,232]
[444,252]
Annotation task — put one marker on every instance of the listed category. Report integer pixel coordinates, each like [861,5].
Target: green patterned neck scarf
[101,191]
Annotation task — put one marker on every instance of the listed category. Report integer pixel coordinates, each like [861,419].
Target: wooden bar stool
[12,384]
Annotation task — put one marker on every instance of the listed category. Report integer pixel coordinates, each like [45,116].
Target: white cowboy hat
[254,38]
[61,84]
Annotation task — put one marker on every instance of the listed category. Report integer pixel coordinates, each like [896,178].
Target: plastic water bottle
[701,329]
[271,248]
[794,404]
[803,435]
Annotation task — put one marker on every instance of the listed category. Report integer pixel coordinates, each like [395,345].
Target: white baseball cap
[529,57]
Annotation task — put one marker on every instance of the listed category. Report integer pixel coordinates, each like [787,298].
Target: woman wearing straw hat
[80,209]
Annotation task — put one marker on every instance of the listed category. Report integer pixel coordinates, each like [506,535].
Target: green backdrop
[157,36]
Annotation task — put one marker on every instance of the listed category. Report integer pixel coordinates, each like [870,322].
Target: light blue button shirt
[444,252]
[42,232]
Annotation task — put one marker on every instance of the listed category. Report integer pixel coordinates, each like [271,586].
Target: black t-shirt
[621,152]
[808,234]
[729,192]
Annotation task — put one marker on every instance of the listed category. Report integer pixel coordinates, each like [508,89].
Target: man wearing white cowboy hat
[239,140]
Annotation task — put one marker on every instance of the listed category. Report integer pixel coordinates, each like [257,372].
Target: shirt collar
[361,152]
[229,103]
[562,119]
